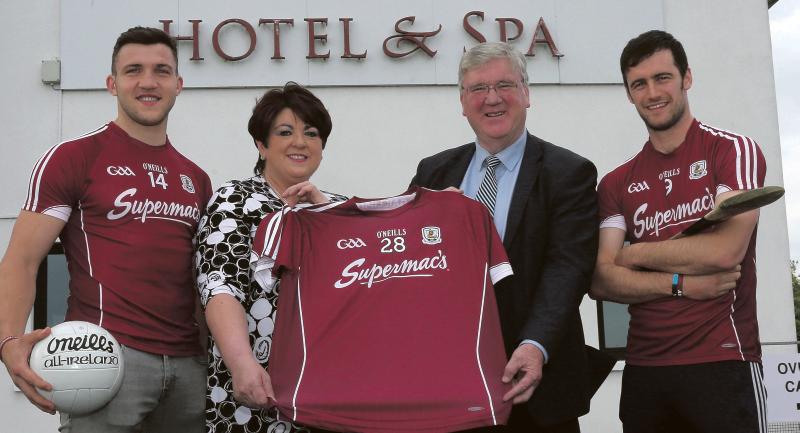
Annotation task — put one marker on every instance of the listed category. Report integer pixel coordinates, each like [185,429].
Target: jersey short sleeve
[610,202]
[738,162]
[499,267]
[278,242]
[57,180]
[272,247]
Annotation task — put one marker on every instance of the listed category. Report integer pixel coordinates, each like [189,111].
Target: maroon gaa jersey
[387,320]
[131,211]
[654,196]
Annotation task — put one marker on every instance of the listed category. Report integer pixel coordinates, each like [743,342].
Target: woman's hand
[251,385]
[303,192]
[228,324]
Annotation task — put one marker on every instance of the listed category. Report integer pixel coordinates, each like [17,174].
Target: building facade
[396,104]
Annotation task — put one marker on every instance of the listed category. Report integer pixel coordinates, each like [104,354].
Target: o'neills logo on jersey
[666,174]
[155,167]
[151,209]
[391,233]
[356,271]
[661,219]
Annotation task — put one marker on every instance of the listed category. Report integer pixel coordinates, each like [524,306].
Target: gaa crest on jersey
[344,244]
[431,235]
[697,170]
[186,183]
[638,187]
[119,170]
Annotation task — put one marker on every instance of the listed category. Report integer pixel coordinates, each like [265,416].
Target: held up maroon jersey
[655,196]
[131,211]
[387,318]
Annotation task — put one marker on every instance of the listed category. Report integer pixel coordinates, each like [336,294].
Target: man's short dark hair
[295,97]
[647,44]
[144,36]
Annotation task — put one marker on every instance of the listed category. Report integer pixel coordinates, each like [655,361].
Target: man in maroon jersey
[693,354]
[125,205]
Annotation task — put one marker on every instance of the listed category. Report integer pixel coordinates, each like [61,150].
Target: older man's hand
[524,372]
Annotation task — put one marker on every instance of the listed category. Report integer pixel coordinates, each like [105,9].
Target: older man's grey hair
[486,52]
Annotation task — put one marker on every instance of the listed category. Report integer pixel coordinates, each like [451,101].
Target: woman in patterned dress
[290,127]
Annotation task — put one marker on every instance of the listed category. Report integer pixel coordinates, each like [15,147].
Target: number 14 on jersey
[157,180]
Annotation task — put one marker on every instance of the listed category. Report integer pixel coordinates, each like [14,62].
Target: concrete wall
[380,133]
[30,122]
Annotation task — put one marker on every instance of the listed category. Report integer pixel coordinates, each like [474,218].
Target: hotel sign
[352,43]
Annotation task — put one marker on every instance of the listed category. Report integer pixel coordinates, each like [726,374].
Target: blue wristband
[677,289]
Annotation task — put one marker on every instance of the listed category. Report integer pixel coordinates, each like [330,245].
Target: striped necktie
[487,192]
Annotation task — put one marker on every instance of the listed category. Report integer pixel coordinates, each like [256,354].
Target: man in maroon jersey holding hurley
[693,361]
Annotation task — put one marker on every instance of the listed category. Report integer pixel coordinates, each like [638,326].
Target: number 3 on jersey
[393,245]
[157,180]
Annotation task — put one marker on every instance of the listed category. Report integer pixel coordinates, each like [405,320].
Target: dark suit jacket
[551,240]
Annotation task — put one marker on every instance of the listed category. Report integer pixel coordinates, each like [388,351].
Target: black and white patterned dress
[222,263]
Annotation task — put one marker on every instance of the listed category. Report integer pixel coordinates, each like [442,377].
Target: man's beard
[672,121]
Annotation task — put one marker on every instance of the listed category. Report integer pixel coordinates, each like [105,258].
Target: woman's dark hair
[295,97]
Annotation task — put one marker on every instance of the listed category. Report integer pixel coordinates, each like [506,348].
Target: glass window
[613,321]
[52,289]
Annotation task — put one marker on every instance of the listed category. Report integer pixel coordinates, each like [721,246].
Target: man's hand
[251,385]
[16,354]
[303,192]
[701,287]
[524,372]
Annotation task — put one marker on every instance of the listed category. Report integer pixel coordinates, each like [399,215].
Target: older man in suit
[545,208]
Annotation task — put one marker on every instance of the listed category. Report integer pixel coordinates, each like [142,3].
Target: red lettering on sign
[276,34]
[251,33]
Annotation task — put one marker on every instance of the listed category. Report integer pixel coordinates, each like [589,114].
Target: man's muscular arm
[717,250]
[617,283]
[31,239]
